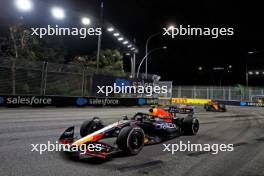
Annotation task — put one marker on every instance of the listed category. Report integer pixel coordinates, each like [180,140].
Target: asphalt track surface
[243,127]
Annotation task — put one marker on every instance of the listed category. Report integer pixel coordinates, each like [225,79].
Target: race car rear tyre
[130,140]
[208,108]
[223,108]
[90,126]
[190,126]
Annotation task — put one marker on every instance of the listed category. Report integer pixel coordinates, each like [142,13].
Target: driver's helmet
[159,112]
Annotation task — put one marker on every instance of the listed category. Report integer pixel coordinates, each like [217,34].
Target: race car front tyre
[190,126]
[130,140]
[90,126]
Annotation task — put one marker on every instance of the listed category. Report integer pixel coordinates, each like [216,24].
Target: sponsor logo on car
[165,126]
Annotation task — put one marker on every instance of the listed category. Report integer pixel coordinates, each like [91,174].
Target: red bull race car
[185,109]
[130,135]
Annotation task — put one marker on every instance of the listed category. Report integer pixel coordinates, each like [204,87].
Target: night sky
[140,18]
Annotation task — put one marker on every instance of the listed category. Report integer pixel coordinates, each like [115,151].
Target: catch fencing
[42,78]
[22,77]
[229,93]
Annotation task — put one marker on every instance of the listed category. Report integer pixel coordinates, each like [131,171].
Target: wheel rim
[195,126]
[136,140]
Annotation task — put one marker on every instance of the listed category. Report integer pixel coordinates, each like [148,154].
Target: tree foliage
[20,44]
[110,61]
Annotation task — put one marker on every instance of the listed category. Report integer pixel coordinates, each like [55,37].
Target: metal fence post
[229,93]
[212,93]
[194,92]
[250,93]
[91,85]
[45,79]
[242,94]
[42,78]
[224,94]
[83,81]
[13,75]
[179,91]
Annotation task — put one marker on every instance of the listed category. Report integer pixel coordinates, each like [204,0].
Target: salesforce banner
[241,103]
[60,101]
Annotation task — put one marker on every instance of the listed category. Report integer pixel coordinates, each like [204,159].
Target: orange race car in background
[214,106]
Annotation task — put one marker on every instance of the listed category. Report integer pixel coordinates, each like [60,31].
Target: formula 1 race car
[184,109]
[176,109]
[130,135]
[215,107]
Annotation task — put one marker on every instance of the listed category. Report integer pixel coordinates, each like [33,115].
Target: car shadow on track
[94,160]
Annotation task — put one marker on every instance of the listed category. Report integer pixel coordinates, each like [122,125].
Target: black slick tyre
[130,140]
[90,126]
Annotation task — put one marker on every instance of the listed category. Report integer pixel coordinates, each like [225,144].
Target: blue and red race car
[132,134]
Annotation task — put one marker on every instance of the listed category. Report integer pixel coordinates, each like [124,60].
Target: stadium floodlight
[129,46]
[116,34]
[86,21]
[125,42]
[200,68]
[110,29]
[257,72]
[171,27]
[57,13]
[230,66]
[250,73]
[120,39]
[24,5]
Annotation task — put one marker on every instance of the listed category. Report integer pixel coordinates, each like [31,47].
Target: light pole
[100,36]
[143,59]
[246,67]
[146,50]
[147,43]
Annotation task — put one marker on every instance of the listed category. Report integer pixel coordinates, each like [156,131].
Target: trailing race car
[177,109]
[184,109]
[130,135]
[215,107]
